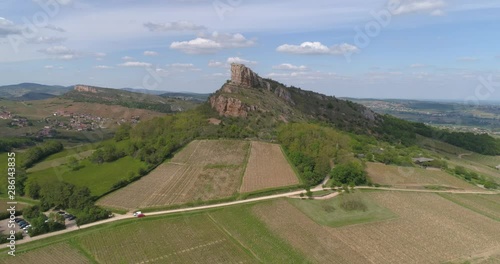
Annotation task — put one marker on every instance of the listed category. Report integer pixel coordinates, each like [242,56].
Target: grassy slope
[338,217]
[98,177]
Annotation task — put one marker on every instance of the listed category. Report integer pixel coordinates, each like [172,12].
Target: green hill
[92,94]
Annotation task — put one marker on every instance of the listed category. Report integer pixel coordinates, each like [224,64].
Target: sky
[411,49]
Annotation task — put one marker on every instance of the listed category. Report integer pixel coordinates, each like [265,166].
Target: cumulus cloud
[127,58]
[61,52]
[136,64]
[240,61]
[214,64]
[290,67]
[103,67]
[433,7]
[317,48]
[212,43]
[7,27]
[173,26]
[150,53]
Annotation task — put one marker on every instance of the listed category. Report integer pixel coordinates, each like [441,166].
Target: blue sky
[418,49]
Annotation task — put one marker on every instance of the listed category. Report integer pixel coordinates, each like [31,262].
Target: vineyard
[429,229]
[182,239]
[203,170]
[267,168]
[58,253]
[488,205]
[411,177]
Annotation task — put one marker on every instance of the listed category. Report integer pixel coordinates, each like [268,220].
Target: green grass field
[99,178]
[330,213]
[56,162]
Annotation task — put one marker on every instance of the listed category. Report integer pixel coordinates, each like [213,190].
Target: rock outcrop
[243,76]
[85,88]
[228,106]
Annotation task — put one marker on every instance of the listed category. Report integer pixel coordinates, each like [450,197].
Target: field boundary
[236,241]
[467,206]
[245,163]
[295,170]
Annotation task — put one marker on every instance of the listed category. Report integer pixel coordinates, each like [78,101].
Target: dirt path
[252,200]
[428,191]
[464,154]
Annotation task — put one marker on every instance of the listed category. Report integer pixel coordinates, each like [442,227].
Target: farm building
[421,160]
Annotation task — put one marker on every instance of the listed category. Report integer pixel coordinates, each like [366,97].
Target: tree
[351,172]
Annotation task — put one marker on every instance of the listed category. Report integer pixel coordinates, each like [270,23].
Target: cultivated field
[488,205]
[245,227]
[188,239]
[267,168]
[429,229]
[204,170]
[58,253]
[411,177]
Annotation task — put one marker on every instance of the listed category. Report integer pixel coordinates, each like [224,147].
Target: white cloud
[315,48]
[183,67]
[48,66]
[214,64]
[103,67]
[61,53]
[432,7]
[240,61]
[127,58]
[46,40]
[7,27]
[197,46]
[290,67]
[212,43]
[173,26]
[150,53]
[55,28]
[135,64]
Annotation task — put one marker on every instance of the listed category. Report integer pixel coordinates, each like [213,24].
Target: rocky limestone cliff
[85,88]
[244,78]
[228,106]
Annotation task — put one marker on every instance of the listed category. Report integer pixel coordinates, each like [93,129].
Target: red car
[141,215]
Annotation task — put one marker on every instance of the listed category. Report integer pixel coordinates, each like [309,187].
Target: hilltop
[32,91]
[100,95]
[249,96]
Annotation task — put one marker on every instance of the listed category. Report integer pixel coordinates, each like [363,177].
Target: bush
[352,203]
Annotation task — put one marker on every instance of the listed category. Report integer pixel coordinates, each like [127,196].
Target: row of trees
[40,152]
[7,144]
